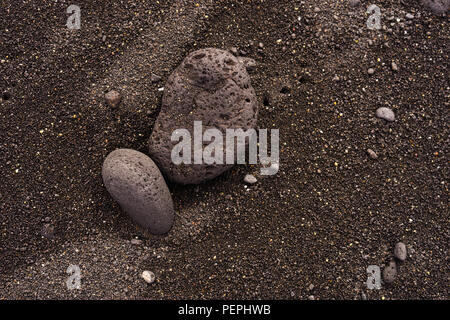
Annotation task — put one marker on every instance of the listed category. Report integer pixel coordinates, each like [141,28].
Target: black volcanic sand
[329,213]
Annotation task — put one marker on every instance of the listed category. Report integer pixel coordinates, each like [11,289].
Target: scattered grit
[308,232]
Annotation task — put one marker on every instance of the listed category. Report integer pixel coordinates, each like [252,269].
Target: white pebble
[148,276]
[250,179]
[385,113]
[400,251]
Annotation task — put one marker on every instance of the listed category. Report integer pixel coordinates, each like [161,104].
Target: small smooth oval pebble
[400,251]
[250,179]
[390,272]
[148,276]
[372,154]
[136,183]
[385,113]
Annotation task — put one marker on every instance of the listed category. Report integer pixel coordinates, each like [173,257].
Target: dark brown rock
[113,98]
[390,272]
[211,86]
[437,6]
[372,154]
[48,231]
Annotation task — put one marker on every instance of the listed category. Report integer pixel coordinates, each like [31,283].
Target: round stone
[390,272]
[372,154]
[400,251]
[385,113]
[148,276]
[394,66]
[135,182]
[113,98]
[211,87]
[250,179]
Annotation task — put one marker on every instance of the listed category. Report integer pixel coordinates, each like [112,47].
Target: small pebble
[48,231]
[316,9]
[148,276]
[311,297]
[136,241]
[113,98]
[390,272]
[261,45]
[409,16]
[311,287]
[372,154]
[354,3]
[385,113]
[371,71]
[394,66]
[400,251]
[250,179]
[155,78]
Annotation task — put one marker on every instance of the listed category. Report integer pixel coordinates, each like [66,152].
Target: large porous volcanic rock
[437,6]
[136,183]
[210,86]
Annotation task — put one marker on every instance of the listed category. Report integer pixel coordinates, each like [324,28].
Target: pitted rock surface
[437,6]
[211,86]
[136,183]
